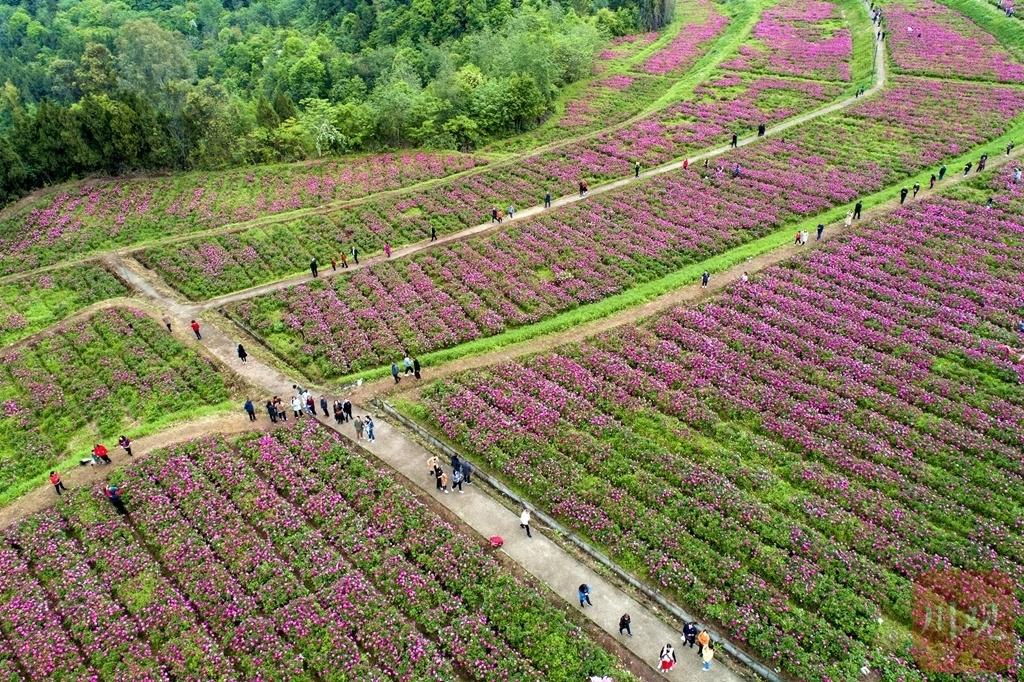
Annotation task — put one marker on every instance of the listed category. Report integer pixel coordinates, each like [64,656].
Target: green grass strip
[684,276]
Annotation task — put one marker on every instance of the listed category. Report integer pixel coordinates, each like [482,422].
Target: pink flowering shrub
[114,370]
[927,37]
[607,101]
[281,556]
[96,214]
[806,39]
[685,48]
[789,458]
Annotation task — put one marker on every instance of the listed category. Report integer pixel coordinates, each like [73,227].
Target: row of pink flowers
[780,458]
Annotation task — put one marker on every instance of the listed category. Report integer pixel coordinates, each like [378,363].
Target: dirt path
[44,497]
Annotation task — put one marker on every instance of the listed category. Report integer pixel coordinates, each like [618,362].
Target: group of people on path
[97,456]
[462,473]
[692,635]
[303,404]
[412,366]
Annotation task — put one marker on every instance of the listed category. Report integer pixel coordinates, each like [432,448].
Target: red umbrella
[497,541]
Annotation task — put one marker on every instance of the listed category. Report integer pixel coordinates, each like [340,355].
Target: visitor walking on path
[847,221]
[433,462]
[242,355]
[690,631]
[703,639]
[407,362]
[821,226]
[437,475]
[113,493]
[917,188]
[297,406]
[467,472]
[583,188]
[857,209]
[457,478]
[394,371]
[358,423]
[931,182]
[584,594]
[339,412]
[387,249]
[547,200]
[344,261]
[903,195]
[355,255]
[942,172]
[1017,173]
[708,656]
[704,279]
[967,168]
[443,480]
[346,407]
[511,211]
[323,406]
[433,233]
[524,522]
[666,659]
[313,267]
[100,451]
[735,140]
[271,411]
[761,130]
[167,322]
[804,236]
[744,277]
[1009,148]
[416,368]
[125,444]
[494,214]
[310,405]
[624,625]
[279,408]
[57,484]
[981,163]
[636,169]
[195,330]
[250,410]
[334,265]
[368,424]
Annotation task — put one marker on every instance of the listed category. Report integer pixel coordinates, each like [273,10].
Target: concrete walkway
[543,558]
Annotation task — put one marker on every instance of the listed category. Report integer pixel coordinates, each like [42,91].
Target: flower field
[684,49]
[788,459]
[806,39]
[925,37]
[584,253]
[97,214]
[609,100]
[283,556]
[106,375]
[33,302]
[220,264]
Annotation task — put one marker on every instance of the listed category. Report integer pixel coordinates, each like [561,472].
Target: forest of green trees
[121,85]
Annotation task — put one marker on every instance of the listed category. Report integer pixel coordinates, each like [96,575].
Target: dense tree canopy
[114,85]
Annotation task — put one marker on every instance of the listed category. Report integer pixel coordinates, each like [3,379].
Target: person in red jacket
[195,328]
[101,451]
[55,480]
